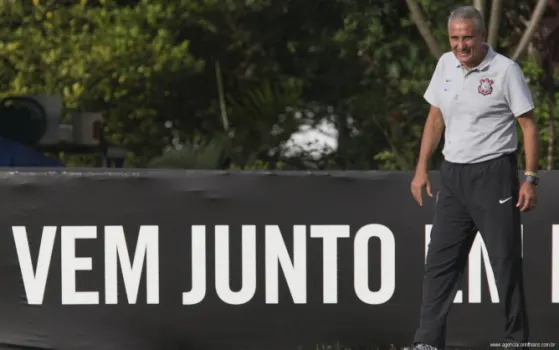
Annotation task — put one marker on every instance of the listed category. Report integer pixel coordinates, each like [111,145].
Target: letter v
[34,282]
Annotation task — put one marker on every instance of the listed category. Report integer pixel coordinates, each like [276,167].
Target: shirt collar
[486,60]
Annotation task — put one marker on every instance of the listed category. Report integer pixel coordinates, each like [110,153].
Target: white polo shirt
[479,106]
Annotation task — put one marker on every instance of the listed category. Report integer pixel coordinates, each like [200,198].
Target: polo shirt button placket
[457,96]
[464,85]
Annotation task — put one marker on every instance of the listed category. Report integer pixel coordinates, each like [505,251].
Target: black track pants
[474,197]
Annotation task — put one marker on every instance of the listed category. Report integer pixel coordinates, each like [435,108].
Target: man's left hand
[527,197]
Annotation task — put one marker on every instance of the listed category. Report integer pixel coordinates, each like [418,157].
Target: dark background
[176,200]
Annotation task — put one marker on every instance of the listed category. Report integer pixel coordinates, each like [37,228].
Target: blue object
[13,154]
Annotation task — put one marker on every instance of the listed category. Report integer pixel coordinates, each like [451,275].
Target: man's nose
[460,46]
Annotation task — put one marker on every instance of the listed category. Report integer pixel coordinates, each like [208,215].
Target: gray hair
[468,13]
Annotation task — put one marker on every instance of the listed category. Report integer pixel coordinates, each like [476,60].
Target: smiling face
[466,42]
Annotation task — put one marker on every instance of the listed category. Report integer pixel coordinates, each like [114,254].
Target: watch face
[532,180]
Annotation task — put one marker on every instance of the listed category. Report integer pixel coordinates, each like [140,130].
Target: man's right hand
[431,136]
[420,180]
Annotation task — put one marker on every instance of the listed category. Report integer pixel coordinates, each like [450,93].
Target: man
[476,96]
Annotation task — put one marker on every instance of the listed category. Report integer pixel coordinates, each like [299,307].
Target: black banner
[231,260]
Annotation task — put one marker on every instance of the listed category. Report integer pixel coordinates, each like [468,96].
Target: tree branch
[531,28]
[480,5]
[551,122]
[424,30]
[495,23]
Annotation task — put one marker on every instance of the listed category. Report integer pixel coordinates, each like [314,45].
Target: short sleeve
[432,94]
[517,92]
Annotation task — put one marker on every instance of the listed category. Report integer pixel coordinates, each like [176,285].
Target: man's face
[466,42]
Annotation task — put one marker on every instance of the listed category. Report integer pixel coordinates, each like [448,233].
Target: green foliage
[200,156]
[150,67]
[105,58]
[263,119]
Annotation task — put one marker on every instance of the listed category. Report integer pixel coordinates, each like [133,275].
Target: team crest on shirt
[485,86]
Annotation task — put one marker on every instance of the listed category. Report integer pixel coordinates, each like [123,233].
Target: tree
[151,67]
[493,27]
[102,58]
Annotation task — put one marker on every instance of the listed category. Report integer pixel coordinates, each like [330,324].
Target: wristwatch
[531,177]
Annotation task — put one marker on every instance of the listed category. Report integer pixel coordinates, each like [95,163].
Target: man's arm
[527,197]
[432,134]
[519,98]
[531,140]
